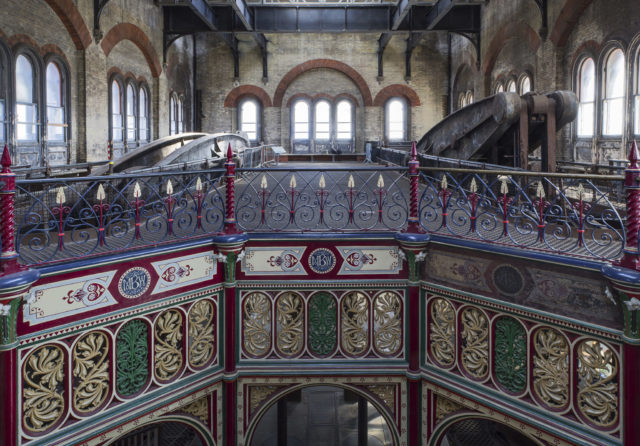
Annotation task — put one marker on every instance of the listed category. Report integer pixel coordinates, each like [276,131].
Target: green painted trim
[617,334]
[8,324]
[321,284]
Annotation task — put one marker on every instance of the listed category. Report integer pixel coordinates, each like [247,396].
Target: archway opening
[322,416]
[166,433]
[476,431]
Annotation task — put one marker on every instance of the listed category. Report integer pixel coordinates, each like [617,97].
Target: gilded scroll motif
[597,383]
[132,352]
[443,331]
[444,407]
[355,323]
[202,339]
[386,393]
[510,356]
[551,367]
[256,324]
[322,324]
[258,394]
[43,388]
[475,348]
[168,345]
[290,317]
[387,323]
[90,372]
[199,409]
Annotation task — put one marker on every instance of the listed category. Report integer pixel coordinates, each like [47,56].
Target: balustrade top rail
[575,215]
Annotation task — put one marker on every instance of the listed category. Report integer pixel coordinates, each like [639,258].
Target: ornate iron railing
[310,199]
[580,215]
[71,218]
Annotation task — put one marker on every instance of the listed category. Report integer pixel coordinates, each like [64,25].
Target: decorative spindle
[381,194]
[542,205]
[199,198]
[505,202]
[101,208]
[9,256]
[413,223]
[137,193]
[351,184]
[581,207]
[473,199]
[631,257]
[322,194]
[170,201]
[60,211]
[444,197]
[264,192]
[292,187]
[230,219]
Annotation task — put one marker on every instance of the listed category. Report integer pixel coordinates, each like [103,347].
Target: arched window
[586,98]
[396,119]
[55,104]
[131,115]
[613,100]
[26,104]
[173,107]
[301,120]
[525,84]
[180,115]
[469,97]
[116,112]
[143,115]
[511,86]
[249,118]
[636,97]
[344,120]
[322,114]
[499,88]
[4,89]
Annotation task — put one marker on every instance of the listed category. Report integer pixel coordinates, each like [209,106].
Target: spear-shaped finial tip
[414,151]
[6,159]
[633,155]
[229,153]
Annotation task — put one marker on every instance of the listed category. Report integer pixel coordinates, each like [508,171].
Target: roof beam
[438,12]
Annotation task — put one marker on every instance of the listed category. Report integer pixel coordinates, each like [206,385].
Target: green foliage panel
[322,324]
[510,359]
[132,353]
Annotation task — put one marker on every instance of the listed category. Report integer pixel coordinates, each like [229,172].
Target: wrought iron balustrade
[58,219]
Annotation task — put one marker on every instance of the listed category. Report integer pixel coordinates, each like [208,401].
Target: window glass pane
[636,126]
[525,86]
[24,80]
[55,121]
[511,86]
[26,119]
[54,86]
[249,112]
[115,98]
[345,115]
[301,120]
[131,101]
[587,86]
[2,137]
[585,119]
[172,116]
[614,83]
[180,112]
[142,115]
[613,116]
[142,104]
[323,116]
[396,119]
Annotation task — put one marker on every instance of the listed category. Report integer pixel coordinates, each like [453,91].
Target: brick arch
[322,63]
[68,13]
[348,96]
[50,48]
[238,93]
[128,31]
[567,20]
[590,48]
[298,96]
[519,30]
[396,90]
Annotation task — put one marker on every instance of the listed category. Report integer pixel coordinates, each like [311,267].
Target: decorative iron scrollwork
[290,317]
[442,332]
[597,383]
[510,356]
[202,338]
[256,324]
[355,323]
[322,324]
[168,345]
[387,323]
[475,346]
[551,367]
[132,353]
[91,372]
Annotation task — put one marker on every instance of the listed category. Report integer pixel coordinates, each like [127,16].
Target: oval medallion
[321,261]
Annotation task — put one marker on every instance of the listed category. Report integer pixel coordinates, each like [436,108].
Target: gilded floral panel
[474,342]
[387,323]
[202,338]
[442,332]
[43,400]
[256,324]
[551,367]
[355,323]
[91,377]
[290,321]
[168,347]
[597,383]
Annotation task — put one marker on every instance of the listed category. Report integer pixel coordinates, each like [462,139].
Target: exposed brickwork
[567,20]
[68,13]
[518,30]
[322,63]
[242,91]
[50,48]
[297,96]
[18,39]
[590,47]
[396,90]
[129,31]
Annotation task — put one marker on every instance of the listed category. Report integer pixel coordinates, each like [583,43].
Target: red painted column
[632,186]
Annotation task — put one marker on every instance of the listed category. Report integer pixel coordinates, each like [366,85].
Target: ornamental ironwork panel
[474,342]
[256,324]
[510,354]
[202,334]
[442,332]
[323,336]
[91,373]
[354,322]
[598,391]
[132,357]
[387,323]
[289,324]
[551,367]
[168,345]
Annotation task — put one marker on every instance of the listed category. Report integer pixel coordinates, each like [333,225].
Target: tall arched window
[586,98]
[116,112]
[173,105]
[613,100]
[301,120]
[525,84]
[131,115]
[396,119]
[4,80]
[498,88]
[143,115]
[26,103]
[511,86]
[344,120]
[636,97]
[180,115]
[322,115]
[55,104]
[469,97]
[249,118]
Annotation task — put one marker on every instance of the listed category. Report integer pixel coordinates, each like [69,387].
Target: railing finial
[6,160]
[414,151]
[229,153]
[633,156]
